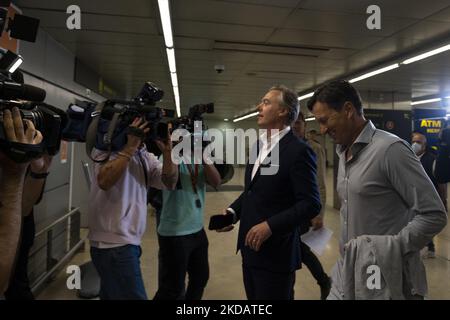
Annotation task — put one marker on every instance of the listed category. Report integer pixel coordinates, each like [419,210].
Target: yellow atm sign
[431,126]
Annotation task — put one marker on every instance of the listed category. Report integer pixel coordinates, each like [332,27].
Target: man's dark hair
[289,99]
[335,94]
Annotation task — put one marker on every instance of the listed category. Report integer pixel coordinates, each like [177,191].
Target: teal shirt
[179,215]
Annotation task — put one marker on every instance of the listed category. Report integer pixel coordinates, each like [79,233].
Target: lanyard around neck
[194,176]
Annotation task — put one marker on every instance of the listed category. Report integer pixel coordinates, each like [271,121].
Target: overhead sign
[429,122]
[397,122]
[431,125]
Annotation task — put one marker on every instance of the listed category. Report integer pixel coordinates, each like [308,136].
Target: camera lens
[34,116]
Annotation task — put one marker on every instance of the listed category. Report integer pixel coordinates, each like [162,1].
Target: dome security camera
[219,68]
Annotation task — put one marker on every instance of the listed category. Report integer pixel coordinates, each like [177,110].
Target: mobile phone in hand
[220,221]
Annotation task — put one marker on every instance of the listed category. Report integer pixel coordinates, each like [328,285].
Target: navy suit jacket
[284,200]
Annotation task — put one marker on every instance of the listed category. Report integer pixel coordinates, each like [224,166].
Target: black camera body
[109,134]
[195,114]
[143,106]
[129,111]
[49,120]
[192,124]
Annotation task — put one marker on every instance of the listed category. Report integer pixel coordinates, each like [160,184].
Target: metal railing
[51,265]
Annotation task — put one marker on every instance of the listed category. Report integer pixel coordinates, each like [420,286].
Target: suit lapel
[284,142]
[248,174]
[249,167]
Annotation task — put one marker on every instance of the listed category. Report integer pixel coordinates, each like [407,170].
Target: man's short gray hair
[289,99]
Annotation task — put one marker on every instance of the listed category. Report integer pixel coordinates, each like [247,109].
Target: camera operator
[183,244]
[11,186]
[37,172]
[118,211]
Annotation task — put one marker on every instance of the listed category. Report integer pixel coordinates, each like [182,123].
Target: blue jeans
[120,273]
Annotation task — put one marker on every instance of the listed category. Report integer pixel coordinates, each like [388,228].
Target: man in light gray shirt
[382,186]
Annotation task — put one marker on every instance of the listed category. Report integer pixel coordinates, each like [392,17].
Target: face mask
[417,147]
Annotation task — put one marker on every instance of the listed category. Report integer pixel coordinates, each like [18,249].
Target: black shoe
[325,288]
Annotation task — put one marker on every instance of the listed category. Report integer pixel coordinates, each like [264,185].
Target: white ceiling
[299,43]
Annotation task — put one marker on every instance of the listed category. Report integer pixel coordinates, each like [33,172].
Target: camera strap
[21,152]
[194,180]
[193,175]
[92,132]
[144,167]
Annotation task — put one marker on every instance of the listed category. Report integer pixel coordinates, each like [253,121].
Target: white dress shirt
[267,146]
[266,149]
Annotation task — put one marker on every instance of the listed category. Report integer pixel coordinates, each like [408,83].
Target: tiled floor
[225,266]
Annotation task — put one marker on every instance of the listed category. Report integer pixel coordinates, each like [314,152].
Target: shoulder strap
[92,132]
[144,167]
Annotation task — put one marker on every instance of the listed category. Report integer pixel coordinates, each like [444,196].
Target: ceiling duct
[261,48]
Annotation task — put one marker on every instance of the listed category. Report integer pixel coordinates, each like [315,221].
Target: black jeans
[313,264]
[262,284]
[19,286]
[178,256]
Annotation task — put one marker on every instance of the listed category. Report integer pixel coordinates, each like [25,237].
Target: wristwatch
[39,175]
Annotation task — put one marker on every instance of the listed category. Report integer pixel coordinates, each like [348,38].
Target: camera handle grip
[21,152]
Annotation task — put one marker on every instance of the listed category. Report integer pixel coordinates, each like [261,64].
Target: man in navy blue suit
[275,202]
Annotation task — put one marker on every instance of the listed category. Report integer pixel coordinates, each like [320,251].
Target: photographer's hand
[14,131]
[113,170]
[165,145]
[134,141]
[11,187]
[169,174]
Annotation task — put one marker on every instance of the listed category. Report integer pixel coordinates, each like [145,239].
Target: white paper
[317,240]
